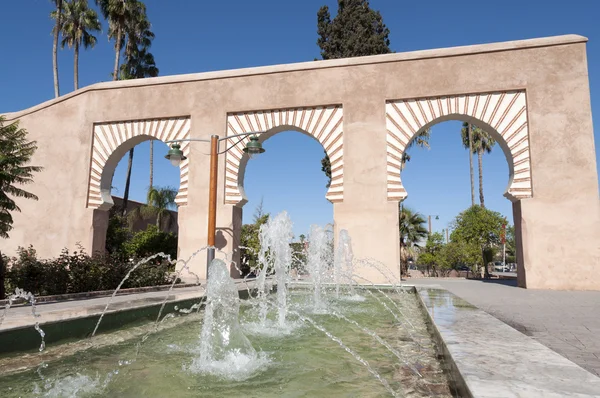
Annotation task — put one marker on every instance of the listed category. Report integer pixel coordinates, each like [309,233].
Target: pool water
[298,360]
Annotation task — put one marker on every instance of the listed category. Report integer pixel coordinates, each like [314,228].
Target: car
[499,267]
[464,268]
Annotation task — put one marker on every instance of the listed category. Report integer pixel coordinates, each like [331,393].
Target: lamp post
[175,155]
[429,218]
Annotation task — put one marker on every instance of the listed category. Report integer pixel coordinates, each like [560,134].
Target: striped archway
[324,123]
[112,140]
[503,114]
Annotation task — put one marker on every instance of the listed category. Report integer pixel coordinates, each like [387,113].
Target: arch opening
[323,123]
[502,115]
[444,184]
[111,141]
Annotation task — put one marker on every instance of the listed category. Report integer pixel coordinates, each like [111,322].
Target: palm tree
[159,202]
[129,26]
[412,232]
[56,31]
[481,142]
[77,24]
[466,134]
[421,140]
[118,13]
[15,153]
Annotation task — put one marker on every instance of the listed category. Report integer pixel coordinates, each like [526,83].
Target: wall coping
[514,45]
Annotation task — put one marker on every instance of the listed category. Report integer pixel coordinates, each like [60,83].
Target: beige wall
[560,223]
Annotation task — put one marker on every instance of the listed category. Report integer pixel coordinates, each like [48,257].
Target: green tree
[481,228]
[355,31]
[78,23]
[511,245]
[15,153]
[250,243]
[55,31]
[412,232]
[159,202]
[481,142]
[431,253]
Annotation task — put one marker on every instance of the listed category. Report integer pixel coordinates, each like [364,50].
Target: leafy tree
[431,253]
[250,243]
[151,241]
[77,24]
[355,31]
[479,227]
[511,246]
[457,253]
[117,233]
[412,232]
[481,142]
[55,31]
[15,153]
[159,202]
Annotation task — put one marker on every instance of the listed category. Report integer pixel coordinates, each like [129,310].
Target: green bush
[78,272]
[151,241]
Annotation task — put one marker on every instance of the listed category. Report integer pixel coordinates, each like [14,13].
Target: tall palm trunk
[55,49]
[117,54]
[471,165]
[127,183]
[151,163]
[480,161]
[76,65]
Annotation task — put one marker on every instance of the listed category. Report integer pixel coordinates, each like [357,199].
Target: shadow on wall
[142,224]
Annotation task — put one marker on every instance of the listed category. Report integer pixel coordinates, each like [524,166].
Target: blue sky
[197,36]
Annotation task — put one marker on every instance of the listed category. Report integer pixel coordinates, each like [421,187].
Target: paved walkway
[564,321]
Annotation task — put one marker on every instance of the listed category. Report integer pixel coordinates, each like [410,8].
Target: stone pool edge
[488,358]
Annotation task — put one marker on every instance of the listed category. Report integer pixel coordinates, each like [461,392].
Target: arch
[112,140]
[502,114]
[324,123]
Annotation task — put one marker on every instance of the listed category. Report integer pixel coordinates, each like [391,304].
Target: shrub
[151,241]
[78,272]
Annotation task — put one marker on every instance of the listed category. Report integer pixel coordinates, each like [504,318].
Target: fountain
[224,349]
[318,263]
[342,265]
[297,339]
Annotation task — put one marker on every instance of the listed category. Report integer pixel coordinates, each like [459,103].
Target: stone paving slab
[493,360]
[567,322]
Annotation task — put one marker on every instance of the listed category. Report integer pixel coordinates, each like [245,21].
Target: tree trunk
[55,49]
[117,55]
[76,66]
[151,163]
[2,277]
[127,182]
[158,219]
[480,160]
[403,270]
[471,165]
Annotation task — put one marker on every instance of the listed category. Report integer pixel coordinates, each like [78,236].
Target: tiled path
[564,321]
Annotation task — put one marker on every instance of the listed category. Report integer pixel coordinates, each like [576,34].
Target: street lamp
[175,155]
[429,218]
